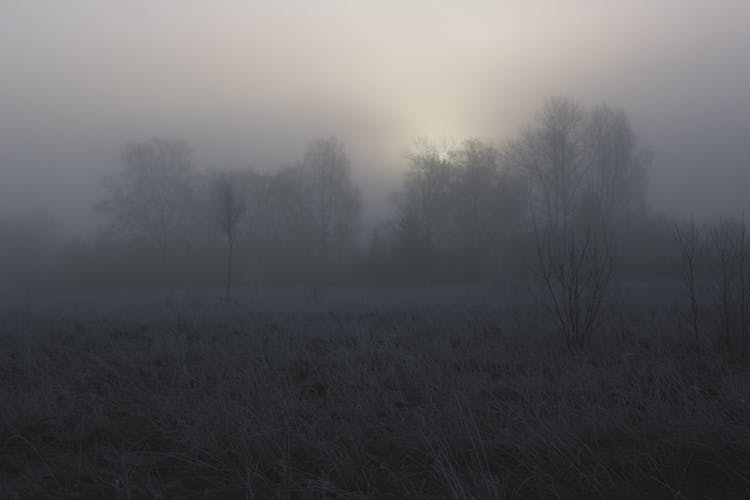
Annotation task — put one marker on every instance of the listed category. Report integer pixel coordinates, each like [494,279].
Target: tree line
[466,211]
[560,211]
[299,224]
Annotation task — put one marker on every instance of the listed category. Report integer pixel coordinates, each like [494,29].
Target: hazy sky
[250,83]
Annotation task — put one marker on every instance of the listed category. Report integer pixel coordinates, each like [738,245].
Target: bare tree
[478,200]
[151,195]
[616,166]
[576,270]
[575,256]
[428,190]
[229,191]
[690,243]
[334,201]
[723,275]
[552,156]
[729,255]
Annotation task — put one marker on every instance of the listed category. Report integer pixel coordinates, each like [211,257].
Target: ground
[455,392]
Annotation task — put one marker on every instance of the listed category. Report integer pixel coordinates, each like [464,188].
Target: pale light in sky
[253,82]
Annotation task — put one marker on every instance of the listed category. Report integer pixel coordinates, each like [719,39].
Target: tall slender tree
[229,191]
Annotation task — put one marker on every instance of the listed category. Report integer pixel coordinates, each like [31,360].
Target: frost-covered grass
[373,393]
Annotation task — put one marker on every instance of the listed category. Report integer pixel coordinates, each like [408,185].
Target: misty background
[251,85]
[395,249]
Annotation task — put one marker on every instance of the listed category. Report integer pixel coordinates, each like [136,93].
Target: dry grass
[469,401]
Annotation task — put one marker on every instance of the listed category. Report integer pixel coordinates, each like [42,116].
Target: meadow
[450,392]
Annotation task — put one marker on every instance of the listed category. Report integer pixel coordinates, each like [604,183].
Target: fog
[397,249]
[251,83]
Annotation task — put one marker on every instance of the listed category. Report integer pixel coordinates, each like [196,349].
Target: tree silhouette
[335,203]
[151,195]
[228,193]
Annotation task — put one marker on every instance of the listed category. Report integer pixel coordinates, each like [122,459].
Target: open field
[369,393]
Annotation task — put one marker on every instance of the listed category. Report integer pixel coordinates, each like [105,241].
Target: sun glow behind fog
[286,71]
[171,60]
[253,82]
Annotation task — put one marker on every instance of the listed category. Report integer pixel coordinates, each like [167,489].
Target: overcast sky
[251,82]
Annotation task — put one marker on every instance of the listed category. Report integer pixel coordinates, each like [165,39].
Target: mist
[476,249]
[252,84]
